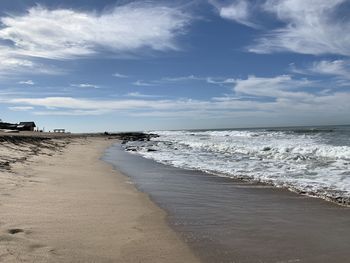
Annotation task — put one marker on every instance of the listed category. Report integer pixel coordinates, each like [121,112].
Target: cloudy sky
[96,65]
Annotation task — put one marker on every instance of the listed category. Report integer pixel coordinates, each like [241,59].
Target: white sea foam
[300,161]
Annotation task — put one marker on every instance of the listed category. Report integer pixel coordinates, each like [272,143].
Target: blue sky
[137,65]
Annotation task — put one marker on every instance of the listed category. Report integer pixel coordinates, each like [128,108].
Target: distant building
[8,126]
[26,126]
[59,130]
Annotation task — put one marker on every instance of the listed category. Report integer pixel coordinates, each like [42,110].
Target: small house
[26,126]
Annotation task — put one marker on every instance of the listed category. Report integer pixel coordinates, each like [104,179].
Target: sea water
[309,160]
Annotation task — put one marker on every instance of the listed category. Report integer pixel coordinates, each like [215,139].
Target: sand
[73,207]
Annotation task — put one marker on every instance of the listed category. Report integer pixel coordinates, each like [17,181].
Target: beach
[145,131]
[83,198]
[61,203]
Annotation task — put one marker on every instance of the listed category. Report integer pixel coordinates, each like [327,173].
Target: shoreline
[339,201]
[63,211]
[235,221]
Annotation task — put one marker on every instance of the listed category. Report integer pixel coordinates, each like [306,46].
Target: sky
[109,65]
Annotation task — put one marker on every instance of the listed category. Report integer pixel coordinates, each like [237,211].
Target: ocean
[227,220]
[308,160]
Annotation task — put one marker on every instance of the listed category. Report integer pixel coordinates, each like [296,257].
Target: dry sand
[73,207]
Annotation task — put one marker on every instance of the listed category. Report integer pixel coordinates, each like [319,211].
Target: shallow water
[226,220]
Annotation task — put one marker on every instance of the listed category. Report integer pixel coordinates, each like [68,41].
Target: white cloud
[181,78]
[85,104]
[238,11]
[60,34]
[337,71]
[210,80]
[140,95]
[12,64]
[288,97]
[66,34]
[144,83]
[285,101]
[85,85]
[277,87]
[26,82]
[71,112]
[169,80]
[21,108]
[335,67]
[311,27]
[119,75]
[220,81]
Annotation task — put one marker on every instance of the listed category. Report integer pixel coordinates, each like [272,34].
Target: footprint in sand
[14,231]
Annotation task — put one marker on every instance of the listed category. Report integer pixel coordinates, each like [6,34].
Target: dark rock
[133,136]
[151,150]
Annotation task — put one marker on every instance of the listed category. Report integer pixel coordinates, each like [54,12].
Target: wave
[306,130]
[303,162]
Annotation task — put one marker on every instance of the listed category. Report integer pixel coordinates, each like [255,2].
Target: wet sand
[73,207]
[224,220]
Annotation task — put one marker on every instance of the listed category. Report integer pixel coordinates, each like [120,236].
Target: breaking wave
[312,161]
